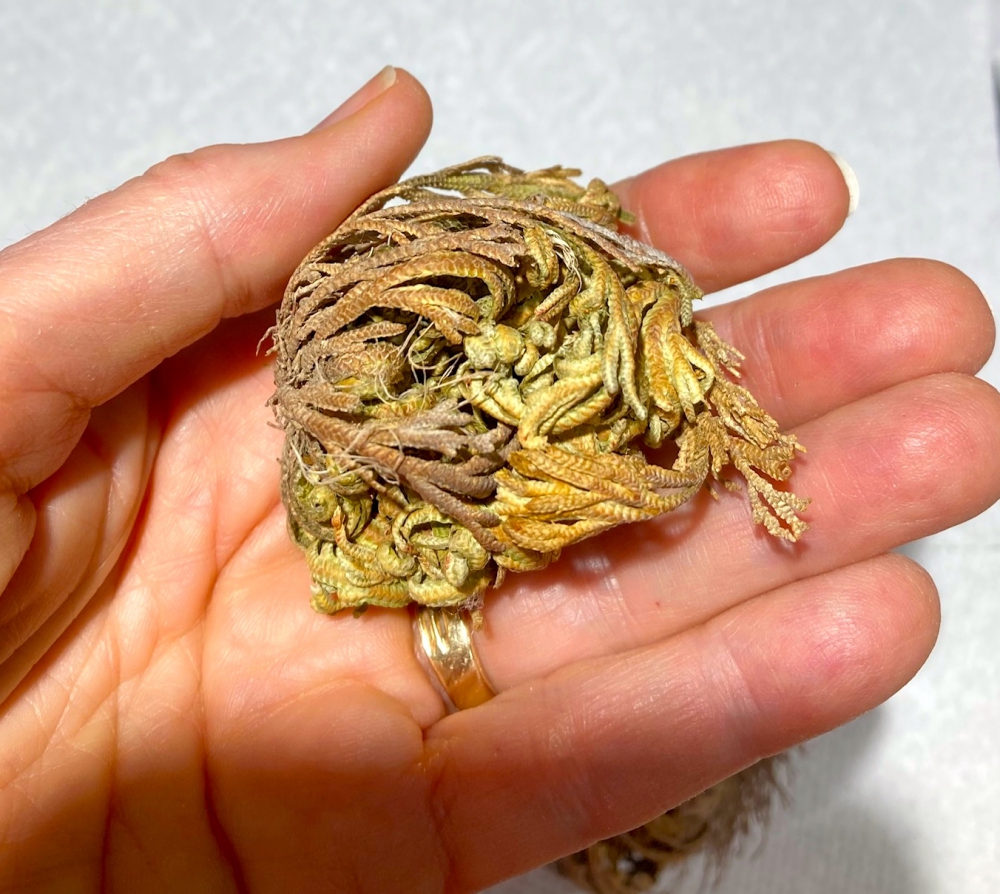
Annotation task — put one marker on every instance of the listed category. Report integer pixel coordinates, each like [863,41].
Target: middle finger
[820,343]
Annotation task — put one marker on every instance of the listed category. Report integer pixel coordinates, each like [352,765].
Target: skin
[177,718]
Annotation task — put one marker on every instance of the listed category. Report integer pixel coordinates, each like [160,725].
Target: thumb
[101,297]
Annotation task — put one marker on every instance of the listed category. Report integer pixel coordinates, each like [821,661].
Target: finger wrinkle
[66,544]
[798,657]
[17,528]
[191,218]
[220,224]
[731,687]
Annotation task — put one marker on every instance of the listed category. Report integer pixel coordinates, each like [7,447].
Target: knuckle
[186,192]
[186,170]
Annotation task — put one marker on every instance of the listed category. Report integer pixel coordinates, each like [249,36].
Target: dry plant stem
[466,381]
[716,823]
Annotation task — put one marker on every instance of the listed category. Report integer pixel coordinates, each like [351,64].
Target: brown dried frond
[715,823]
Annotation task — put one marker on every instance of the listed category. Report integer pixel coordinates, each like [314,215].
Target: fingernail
[851,179]
[375,87]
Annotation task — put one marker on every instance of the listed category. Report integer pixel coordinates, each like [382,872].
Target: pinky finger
[605,745]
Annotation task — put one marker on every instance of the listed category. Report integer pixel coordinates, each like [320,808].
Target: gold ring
[446,642]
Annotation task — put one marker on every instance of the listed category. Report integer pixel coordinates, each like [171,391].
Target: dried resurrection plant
[467,370]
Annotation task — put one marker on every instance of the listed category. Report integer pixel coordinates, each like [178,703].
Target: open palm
[177,718]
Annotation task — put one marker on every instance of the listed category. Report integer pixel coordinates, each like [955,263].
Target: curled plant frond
[716,824]
[466,372]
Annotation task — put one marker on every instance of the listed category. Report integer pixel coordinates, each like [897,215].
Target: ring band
[446,641]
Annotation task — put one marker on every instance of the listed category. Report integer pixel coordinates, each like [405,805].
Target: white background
[905,800]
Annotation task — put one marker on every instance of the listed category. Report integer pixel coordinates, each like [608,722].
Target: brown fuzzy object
[714,823]
[465,381]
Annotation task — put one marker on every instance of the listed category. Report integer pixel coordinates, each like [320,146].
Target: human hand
[176,715]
